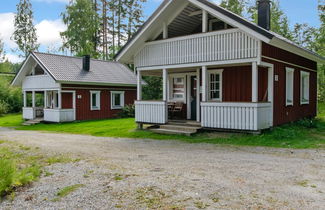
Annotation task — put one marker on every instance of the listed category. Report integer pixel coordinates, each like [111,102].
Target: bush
[4,108]
[7,171]
[127,111]
[307,123]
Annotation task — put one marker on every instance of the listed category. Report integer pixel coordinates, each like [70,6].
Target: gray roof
[67,69]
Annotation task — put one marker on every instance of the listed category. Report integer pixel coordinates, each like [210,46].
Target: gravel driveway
[151,174]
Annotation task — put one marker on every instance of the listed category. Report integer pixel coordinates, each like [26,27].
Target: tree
[235,6]
[305,36]
[134,16]
[279,21]
[82,25]
[25,31]
[320,48]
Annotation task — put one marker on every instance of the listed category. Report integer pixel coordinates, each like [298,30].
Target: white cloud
[54,1]
[7,28]
[14,58]
[48,32]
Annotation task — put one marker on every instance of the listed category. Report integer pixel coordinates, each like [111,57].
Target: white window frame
[97,100]
[173,77]
[216,71]
[290,78]
[304,77]
[122,93]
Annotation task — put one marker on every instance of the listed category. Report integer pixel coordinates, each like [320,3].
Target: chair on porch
[178,109]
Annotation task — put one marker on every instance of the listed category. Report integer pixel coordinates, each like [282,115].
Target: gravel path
[142,174]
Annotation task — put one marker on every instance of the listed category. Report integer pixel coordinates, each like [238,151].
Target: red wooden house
[220,70]
[60,88]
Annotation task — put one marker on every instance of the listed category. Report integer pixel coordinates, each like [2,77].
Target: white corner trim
[98,101]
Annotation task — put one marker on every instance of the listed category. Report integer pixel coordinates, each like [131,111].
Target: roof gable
[169,10]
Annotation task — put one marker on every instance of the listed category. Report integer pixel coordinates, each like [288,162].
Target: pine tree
[82,24]
[134,15]
[320,48]
[235,6]
[25,32]
[305,36]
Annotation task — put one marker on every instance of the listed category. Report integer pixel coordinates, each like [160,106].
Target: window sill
[95,109]
[117,108]
[304,103]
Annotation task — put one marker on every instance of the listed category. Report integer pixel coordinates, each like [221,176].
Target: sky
[47,19]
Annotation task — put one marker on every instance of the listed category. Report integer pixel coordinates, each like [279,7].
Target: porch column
[204,84]
[33,99]
[165,30]
[45,99]
[165,90]
[204,21]
[198,109]
[139,86]
[254,82]
[60,99]
[25,99]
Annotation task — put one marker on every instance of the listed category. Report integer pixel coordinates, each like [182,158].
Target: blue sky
[48,20]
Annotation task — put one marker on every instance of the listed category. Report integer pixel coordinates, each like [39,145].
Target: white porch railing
[59,115]
[151,112]
[236,116]
[28,113]
[207,47]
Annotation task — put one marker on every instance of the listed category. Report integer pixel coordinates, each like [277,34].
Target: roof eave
[277,42]
[96,83]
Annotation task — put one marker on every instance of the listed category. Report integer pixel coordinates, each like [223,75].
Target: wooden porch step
[177,127]
[33,122]
[172,132]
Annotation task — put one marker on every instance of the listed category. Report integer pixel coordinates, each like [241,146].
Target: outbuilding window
[215,85]
[95,100]
[289,86]
[117,99]
[304,87]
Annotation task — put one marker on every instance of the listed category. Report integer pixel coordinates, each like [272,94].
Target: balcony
[231,44]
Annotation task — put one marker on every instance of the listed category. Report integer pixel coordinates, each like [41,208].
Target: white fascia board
[296,50]
[230,21]
[18,76]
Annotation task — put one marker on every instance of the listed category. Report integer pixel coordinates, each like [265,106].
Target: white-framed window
[177,87]
[289,86]
[304,87]
[117,99]
[94,100]
[215,85]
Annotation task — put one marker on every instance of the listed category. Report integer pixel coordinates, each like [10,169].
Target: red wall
[83,111]
[282,113]
[67,100]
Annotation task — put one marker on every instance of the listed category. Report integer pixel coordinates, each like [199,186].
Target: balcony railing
[224,45]
[152,112]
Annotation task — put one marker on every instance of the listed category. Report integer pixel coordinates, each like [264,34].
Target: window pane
[117,99]
[94,101]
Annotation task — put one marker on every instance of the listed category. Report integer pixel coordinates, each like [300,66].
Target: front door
[193,98]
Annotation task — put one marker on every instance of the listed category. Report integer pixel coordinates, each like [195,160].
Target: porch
[236,97]
[48,106]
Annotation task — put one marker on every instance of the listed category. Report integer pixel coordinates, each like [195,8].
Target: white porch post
[33,99]
[198,109]
[204,21]
[204,84]
[139,86]
[254,82]
[45,99]
[165,91]
[60,99]
[25,99]
[165,30]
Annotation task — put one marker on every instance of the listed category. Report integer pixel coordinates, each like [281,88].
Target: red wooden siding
[282,113]
[237,84]
[67,100]
[83,111]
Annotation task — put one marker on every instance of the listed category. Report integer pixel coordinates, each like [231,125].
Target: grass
[11,120]
[66,191]
[21,165]
[300,135]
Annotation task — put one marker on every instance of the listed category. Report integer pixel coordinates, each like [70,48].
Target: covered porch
[229,97]
[49,105]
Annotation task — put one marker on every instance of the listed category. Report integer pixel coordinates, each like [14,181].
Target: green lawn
[304,134]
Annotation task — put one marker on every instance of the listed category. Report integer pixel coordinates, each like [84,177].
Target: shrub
[307,123]
[7,171]
[4,108]
[127,111]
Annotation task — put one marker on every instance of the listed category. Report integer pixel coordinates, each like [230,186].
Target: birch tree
[25,31]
